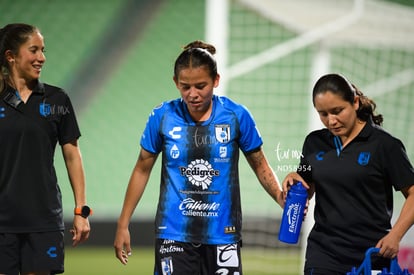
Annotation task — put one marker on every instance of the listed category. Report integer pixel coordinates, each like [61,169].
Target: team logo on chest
[45,109]
[222,133]
[363,158]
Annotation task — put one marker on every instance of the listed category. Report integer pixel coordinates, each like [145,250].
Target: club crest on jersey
[363,158]
[44,109]
[222,133]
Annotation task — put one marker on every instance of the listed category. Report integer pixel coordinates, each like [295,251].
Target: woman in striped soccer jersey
[200,135]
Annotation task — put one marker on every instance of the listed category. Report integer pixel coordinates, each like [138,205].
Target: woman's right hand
[122,245]
[291,179]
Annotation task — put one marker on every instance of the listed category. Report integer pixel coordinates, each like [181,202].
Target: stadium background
[115,59]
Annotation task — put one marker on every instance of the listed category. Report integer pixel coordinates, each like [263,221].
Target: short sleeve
[151,139]
[68,128]
[250,138]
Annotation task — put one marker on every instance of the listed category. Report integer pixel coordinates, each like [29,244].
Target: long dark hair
[197,54]
[12,36]
[339,85]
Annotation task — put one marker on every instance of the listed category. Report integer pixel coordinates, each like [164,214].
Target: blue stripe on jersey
[199,192]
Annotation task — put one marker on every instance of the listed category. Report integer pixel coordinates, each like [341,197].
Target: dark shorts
[31,252]
[172,257]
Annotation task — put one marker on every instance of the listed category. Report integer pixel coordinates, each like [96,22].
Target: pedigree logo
[200,173]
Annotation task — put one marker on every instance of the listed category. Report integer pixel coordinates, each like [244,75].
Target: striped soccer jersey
[199,192]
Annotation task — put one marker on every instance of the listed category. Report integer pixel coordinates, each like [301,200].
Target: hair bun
[201,45]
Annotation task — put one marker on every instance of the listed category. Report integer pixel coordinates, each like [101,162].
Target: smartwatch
[84,211]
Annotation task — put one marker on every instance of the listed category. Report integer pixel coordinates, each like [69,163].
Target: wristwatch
[84,211]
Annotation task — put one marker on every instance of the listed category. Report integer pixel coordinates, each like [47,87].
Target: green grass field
[102,261]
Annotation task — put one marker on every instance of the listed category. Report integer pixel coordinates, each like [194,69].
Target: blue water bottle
[293,213]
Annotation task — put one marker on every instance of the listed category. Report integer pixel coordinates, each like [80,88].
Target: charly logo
[200,173]
[52,252]
[319,156]
[293,215]
[174,133]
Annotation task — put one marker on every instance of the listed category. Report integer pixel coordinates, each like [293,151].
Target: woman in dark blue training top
[198,221]
[354,165]
[34,117]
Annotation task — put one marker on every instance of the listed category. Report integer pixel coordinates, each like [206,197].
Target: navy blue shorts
[31,252]
[188,258]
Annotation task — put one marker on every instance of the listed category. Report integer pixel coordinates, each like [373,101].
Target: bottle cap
[298,187]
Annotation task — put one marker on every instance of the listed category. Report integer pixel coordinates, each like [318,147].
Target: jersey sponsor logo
[191,207]
[363,158]
[168,246]
[174,152]
[167,266]
[223,155]
[223,151]
[174,132]
[227,255]
[222,133]
[199,173]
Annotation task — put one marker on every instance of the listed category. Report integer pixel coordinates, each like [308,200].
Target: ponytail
[339,85]
[12,36]
[367,108]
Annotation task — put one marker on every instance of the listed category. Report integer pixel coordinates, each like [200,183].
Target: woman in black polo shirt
[353,167]
[34,117]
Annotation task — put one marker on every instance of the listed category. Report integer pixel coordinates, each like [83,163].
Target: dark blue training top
[30,198]
[353,193]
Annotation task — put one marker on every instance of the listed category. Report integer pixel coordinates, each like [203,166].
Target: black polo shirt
[353,193]
[30,198]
